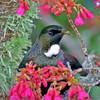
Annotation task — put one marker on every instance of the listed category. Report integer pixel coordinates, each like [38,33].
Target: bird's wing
[30,55]
[72,60]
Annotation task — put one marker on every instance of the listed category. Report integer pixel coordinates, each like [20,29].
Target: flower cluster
[29,80]
[76,90]
[66,6]
[85,13]
[21,9]
[97,3]
[58,7]
[52,95]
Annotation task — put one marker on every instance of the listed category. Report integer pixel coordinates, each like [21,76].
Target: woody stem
[83,45]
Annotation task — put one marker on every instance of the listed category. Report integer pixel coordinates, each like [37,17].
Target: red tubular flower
[69,9]
[83,13]
[27,91]
[75,56]
[88,13]
[70,5]
[88,99]
[14,89]
[57,96]
[14,97]
[57,13]
[78,19]
[72,92]
[98,17]
[61,64]
[44,82]
[49,95]
[26,5]
[78,89]
[44,9]
[97,62]
[20,9]
[82,94]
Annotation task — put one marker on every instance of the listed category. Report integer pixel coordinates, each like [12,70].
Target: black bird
[46,49]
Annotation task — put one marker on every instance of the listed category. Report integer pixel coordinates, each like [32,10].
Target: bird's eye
[51,33]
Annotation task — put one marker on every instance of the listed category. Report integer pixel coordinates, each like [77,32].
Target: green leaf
[74,80]
[95,93]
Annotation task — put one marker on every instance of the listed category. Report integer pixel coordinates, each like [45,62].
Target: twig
[83,45]
[90,84]
[83,69]
[68,64]
[91,56]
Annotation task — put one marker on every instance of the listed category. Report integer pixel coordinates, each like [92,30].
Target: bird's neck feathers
[53,50]
[44,44]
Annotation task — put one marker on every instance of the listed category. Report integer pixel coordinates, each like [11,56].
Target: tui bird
[46,49]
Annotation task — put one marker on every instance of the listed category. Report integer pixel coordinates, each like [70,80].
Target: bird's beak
[66,32]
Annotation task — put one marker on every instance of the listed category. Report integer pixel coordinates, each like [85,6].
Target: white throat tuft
[54,50]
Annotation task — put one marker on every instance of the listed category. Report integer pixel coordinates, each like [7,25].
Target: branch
[84,69]
[90,84]
[83,45]
[68,64]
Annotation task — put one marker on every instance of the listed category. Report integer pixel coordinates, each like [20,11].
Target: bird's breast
[41,60]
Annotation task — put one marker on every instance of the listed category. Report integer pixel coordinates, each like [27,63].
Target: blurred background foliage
[26,28]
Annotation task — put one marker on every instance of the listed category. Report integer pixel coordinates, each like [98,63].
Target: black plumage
[49,36]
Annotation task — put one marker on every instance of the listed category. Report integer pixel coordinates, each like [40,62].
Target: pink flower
[50,94]
[57,13]
[58,8]
[44,82]
[27,92]
[14,89]
[20,9]
[72,92]
[78,19]
[14,97]
[44,9]
[47,97]
[83,13]
[61,64]
[82,94]
[75,56]
[78,89]
[88,13]
[26,5]
[69,9]
[88,99]
[57,96]
[97,62]
[21,87]
[33,97]
[98,17]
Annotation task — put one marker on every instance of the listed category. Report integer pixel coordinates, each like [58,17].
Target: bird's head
[51,35]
